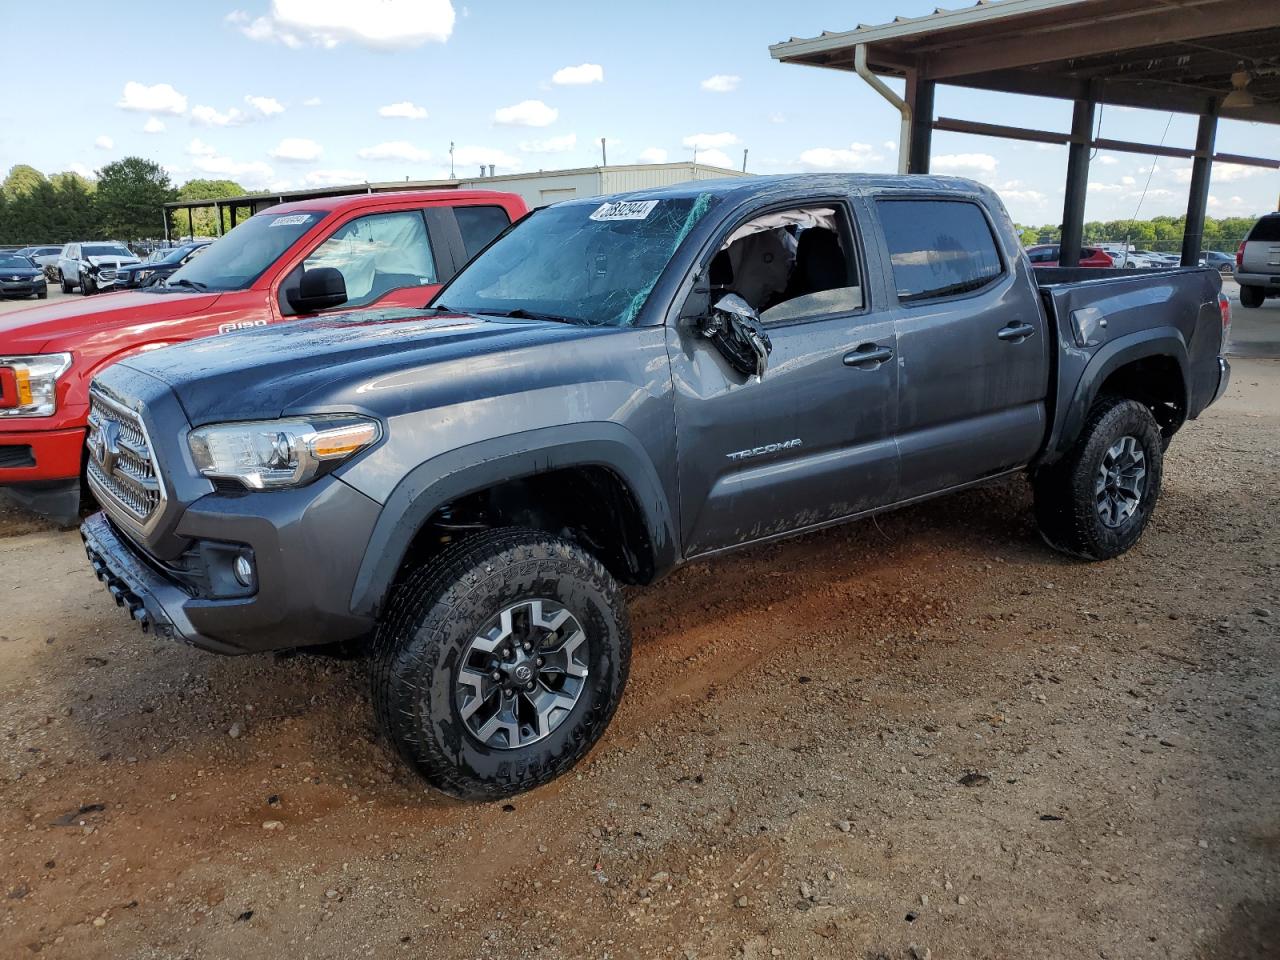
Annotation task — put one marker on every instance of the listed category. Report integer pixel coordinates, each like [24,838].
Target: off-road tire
[62,281]
[1065,498]
[1252,296]
[432,617]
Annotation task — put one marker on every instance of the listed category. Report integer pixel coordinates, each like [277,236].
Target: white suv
[1258,262]
[92,266]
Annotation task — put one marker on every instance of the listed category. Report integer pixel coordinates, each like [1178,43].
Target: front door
[811,441]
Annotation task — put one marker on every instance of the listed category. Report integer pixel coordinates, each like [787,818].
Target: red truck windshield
[239,258]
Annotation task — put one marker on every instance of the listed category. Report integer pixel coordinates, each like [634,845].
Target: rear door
[971,344]
[812,440]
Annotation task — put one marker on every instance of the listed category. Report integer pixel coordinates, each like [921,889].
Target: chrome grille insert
[121,467]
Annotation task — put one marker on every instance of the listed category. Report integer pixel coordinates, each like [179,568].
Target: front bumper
[308,545]
[24,288]
[39,456]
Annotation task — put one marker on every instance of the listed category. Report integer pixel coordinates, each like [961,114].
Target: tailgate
[1261,256]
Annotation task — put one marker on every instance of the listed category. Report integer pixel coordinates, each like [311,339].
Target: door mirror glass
[734,327]
[318,289]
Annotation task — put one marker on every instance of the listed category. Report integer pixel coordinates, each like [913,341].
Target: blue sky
[289,93]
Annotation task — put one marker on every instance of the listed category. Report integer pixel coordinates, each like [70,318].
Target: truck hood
[109,260]
[262,372]
[34,329]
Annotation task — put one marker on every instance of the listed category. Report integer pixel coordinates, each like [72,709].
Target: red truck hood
[34,329]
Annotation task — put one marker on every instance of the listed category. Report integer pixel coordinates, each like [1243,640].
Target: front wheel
[500,662]
[1251,296]
[87,286]
[66,287]
[1096,502]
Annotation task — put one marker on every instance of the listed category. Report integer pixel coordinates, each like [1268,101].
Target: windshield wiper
[184,282]
[519,313]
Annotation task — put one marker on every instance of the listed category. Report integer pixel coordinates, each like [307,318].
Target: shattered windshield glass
[593,264]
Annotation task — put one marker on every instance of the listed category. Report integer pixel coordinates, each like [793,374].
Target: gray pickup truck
[612,388]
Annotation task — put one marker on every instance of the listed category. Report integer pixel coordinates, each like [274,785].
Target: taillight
[1240,256]
[1224,305]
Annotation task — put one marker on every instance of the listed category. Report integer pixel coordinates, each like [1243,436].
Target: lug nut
[495,676]
[507,691]
[526,646]
[508,653]
[529,685]
[541,661]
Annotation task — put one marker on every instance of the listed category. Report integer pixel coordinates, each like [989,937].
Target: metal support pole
[880,87]
[235,211]
[1077,183]
[1198,198]
[218,209]
[191,222]
[166,225]
[920,96]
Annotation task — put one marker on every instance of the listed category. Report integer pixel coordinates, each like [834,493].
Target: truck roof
[791,183]
[359,200]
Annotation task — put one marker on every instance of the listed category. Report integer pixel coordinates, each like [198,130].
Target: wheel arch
[610,450]
[1151,366]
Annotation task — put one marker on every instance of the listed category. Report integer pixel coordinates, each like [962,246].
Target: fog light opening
[243,570]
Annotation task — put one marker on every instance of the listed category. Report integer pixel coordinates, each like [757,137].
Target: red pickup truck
[295,259]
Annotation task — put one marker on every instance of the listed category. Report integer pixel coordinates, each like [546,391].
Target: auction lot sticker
[625,210]
[291,220]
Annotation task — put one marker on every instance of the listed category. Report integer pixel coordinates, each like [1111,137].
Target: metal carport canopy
[1209,58]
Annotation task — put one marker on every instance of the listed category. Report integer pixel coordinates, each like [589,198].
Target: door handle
[868,356]
[1016,332]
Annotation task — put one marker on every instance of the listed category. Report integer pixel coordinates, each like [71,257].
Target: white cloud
[401,150]
[253,174]
[266,106]
[716,158]
[405,109]
[464,157]
[708,141]
[158,98]
[312,102]
[722,83]
[198,148]
[334,178]
[297,150]
[527,113]
[551,144]
[383,25]
[1106,160]
[777,118]
[653,155]
[210,117]
[153,125]
[1098,187]
[1231,172]
[971,163]
[104,143]
[580,75]
[1128,181]
[81,169]
[890,145]
[853,157]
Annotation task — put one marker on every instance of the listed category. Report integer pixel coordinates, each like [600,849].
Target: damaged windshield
[588,263]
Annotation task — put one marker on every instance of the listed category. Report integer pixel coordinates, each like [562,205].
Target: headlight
[28,385]
[271,454]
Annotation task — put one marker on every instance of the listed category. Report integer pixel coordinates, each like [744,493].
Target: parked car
[20,277]
[1046,255]
[92,267]
[614,387]
[1224,263]
[159,265]
[389,249]
[1258,262]
[46,258]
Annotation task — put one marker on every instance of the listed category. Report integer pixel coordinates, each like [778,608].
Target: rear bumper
[1268,281]
[1224,379]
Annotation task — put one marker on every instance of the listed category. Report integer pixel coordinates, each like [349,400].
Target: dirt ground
[926,736]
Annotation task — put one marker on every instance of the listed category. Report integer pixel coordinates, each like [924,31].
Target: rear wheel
[1096,502]
[1251,296]
[500,662]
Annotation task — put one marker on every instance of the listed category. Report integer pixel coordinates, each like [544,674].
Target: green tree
[22,179]
[204,221]
[130,198]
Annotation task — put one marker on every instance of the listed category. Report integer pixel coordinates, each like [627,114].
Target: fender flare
[1156,342]
[474,467]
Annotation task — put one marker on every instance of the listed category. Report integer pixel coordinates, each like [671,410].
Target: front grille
[106,274]
[120,459]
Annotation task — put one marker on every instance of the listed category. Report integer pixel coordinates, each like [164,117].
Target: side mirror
[318,289]
[735,329]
